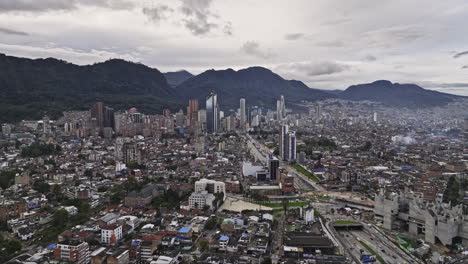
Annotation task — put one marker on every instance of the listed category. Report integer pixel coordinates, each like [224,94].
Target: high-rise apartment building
[287,143]
[280,108]
[243,117]
[291,155]
[192,112]
[273,165]
[283,141]
[212,113]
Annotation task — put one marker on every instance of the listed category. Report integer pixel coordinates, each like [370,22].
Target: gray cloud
[313,68]
[228,29]
[54,5]
[459,54]
[465,67]
[253,48]
[393,36]
[293,36]
[336,22]
[333,43]
[441,85]
[197,14]
[370,58]
[12,32]
[157,13]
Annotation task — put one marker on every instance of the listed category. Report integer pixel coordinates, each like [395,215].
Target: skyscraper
[287,143]
[192,111]
[291,145]
[273,165]
[97,115]
[242,114]
[283,107]
[283,142]
[212,113]
[280,108]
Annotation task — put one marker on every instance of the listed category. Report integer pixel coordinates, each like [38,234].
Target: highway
[349,240]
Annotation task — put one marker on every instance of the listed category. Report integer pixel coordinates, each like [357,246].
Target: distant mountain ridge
[177,77]
[398,95]
[258,85]
[31,88]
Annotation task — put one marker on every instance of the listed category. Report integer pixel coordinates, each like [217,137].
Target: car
[383,250]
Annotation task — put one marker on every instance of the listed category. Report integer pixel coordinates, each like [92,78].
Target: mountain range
[30,88]
[395,94]
[177,77]
[257,85]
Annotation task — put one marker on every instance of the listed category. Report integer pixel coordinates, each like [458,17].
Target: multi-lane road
[349,240]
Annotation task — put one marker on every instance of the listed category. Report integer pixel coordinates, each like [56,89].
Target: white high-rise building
[212,113]
[243,119]
[287,144]
[283,140]
[283,107]
[291,145]
[278,110]
[375,117]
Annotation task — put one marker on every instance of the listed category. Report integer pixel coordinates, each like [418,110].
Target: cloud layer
[328,44]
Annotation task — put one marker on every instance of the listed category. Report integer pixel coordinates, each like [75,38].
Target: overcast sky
[328,44]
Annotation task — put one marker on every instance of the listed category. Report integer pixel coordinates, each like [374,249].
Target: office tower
[283,140]
[283,107]
[212,113]
[109,120]
[291,155]
[242,114]
[97,115]
[278,110]
[192,111]
[202,116]
[273,165]
[180,119]
[375,117]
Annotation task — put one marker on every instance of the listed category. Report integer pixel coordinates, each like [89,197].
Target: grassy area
[379,258]
[276,205]
[346,223]
[307,173]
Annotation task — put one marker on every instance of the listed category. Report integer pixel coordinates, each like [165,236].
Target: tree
[7,178]
[60,219]
[3,226]
[42,187]
[211,223]
[452,191]
[88,173]
[13,246]
[204,245]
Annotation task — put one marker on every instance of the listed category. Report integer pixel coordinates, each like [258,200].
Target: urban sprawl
[331,181]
